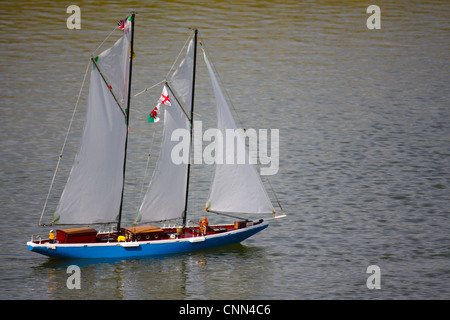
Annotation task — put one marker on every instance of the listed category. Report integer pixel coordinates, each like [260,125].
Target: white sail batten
[235,187]
[93,190]
[166,194]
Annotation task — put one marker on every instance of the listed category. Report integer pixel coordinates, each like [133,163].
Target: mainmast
[127,111]
[191,128]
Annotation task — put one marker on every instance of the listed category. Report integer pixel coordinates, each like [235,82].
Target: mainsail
[93,191]
[166,196]
[235,187]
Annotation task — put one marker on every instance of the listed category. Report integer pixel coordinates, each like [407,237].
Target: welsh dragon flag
[164,99]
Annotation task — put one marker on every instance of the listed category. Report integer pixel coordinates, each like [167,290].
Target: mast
[191,128]
[127,111]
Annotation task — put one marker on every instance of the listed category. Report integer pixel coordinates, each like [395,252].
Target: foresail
[235,187]
[93,191]
[166,195]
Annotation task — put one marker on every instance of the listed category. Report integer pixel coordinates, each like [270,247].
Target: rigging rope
[105,40]
[171,68]
[275,194]
[139,199]
[221,83]
[179,54]
[145,90]
[65,141]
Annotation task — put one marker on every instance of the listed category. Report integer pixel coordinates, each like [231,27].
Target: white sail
[166,195]
[114,64]
[93,191]
[235,187]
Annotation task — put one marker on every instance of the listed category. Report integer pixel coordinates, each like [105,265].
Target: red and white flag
[164,99]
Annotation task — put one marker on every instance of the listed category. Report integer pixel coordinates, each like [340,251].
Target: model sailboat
[94,191]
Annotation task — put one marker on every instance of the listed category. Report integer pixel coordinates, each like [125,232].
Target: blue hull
[144,249]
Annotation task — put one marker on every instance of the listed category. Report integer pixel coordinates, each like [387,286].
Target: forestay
[235,187]
[166,195]
[93,191]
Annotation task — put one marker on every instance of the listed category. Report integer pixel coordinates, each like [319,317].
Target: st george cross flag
[164,99]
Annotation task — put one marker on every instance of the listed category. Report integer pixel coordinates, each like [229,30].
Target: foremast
[127,119]
[191,119]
